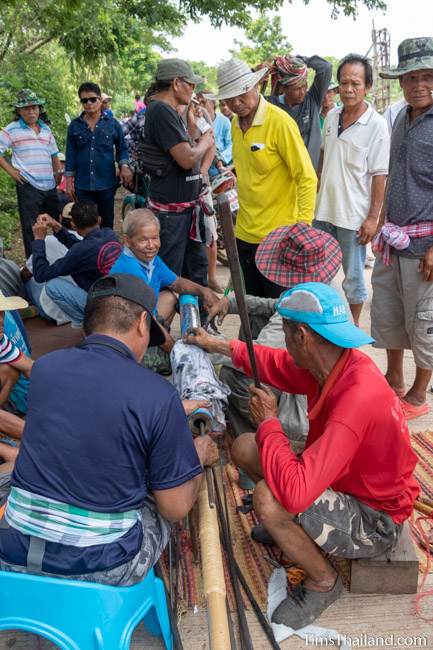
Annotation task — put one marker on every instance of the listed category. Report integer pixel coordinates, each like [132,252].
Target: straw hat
[10,303]
[235,78]
[66,212]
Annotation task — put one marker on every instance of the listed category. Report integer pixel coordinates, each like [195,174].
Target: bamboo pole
[422,507]
[213,573]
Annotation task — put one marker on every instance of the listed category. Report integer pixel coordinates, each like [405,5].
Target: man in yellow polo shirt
[276,179]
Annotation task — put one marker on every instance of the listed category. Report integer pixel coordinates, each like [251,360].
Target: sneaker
[302,606]
[260,534]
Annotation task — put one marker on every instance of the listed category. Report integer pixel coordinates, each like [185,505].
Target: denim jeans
[69,297]
[33,291]
[104,199]
[353,261]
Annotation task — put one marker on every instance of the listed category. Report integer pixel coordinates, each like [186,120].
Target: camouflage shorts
[343,526]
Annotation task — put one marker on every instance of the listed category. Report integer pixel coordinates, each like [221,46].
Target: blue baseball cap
[322,308]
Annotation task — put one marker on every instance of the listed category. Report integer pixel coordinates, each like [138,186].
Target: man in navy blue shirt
[99,477]
[95,141]
[87,259]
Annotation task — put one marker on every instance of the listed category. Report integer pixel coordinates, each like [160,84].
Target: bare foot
[415,399]
[397,386]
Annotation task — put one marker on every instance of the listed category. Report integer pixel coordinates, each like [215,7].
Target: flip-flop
[411,411]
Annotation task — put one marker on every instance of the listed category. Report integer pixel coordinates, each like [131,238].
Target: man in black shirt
[291,93]
[173,161]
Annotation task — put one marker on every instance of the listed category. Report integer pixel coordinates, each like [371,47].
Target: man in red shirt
[351,489]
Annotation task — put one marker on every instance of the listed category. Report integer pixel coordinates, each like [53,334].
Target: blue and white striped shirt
[31,152]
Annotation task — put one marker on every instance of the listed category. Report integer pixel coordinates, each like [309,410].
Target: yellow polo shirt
[277,183]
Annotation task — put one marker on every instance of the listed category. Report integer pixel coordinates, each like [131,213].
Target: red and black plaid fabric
[299,253]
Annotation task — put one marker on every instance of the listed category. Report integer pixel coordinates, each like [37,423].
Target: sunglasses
[188,83]
[86,100]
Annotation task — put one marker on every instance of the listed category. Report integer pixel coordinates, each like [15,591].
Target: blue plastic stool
[83,615]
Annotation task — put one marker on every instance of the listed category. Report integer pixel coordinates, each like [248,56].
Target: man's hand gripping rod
[200,423]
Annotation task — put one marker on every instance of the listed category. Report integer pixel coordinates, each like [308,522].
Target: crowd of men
[106,459]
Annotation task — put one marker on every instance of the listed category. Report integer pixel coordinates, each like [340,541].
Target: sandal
[411,411]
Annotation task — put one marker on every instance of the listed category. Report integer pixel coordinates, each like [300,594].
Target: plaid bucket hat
[413,54]
[27,97]
[294,254]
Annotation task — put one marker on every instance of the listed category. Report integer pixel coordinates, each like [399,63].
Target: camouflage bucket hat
[27,97]
[413,54]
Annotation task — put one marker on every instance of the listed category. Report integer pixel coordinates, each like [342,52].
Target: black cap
[133,288]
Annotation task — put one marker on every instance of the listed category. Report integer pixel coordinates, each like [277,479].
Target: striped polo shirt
[31,152]
[8,351]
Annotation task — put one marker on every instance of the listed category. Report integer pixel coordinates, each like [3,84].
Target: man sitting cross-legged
[352,488]
[87,259]
[99,477]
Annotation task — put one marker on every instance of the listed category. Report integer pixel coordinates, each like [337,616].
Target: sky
[311,30]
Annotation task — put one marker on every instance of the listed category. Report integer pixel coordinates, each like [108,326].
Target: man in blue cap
[352,488]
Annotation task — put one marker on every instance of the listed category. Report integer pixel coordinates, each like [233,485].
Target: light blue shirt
[223,137]
[155,273]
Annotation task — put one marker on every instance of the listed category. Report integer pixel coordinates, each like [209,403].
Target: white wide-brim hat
[11,303]
[235,78]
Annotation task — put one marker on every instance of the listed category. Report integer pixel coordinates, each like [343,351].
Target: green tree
[207,73]
[90,30]
[265,41]
[53,45]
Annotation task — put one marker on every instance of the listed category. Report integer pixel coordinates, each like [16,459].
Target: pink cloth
[62,185]
[398,237]
[139,105]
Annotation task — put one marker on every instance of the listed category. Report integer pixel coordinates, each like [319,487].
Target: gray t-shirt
[306,114]
[409,196]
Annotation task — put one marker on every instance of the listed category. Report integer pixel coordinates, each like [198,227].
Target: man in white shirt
[392,111]
[353,176]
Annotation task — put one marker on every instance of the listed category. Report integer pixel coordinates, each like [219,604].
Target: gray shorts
[5,486]
[343,526]
[156,533]
[402,309]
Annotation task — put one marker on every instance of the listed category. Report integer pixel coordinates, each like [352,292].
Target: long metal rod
[177,641]
[233,644]
[244,632]
[256,607]
[267,629]
[235,271]
[176,568]
[170,569]
[209,476]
